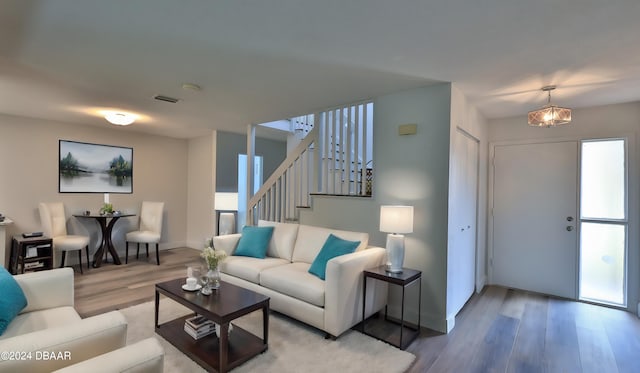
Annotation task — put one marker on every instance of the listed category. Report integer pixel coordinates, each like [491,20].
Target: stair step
[341,195]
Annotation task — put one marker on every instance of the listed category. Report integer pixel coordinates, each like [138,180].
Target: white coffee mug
[192,282]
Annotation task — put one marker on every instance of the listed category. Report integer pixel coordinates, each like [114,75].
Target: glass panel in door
[603,221]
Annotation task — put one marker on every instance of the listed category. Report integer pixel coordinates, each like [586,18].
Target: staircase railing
[346,148]
[334,158]
[288,188]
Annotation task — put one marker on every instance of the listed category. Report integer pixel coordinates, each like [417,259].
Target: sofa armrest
[227,242]
[343,289]
[47,289]
[74,343]
[146,356]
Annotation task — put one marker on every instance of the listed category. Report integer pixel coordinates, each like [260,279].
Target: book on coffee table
[198,321]
[198,326]
[200,333]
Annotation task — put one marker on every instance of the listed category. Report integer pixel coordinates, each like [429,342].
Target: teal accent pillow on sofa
[333,246]
[12,299]
[254,242]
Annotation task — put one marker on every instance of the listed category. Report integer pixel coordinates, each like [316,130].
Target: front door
[534,217]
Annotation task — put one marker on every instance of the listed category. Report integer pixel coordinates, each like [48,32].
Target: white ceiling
[265,60]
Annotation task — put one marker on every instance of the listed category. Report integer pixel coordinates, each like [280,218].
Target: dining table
[106,223]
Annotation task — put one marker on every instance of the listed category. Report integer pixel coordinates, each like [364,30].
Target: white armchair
[149,231]
[50,323]
[54,224]
[146,356]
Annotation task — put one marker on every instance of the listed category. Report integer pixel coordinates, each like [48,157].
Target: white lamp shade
[396,219]
[226,201]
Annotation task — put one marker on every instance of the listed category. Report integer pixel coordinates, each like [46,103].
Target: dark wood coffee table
[225,304]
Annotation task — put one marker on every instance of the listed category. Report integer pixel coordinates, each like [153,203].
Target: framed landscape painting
[94,168]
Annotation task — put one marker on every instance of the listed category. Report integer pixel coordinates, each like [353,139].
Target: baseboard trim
[481,283]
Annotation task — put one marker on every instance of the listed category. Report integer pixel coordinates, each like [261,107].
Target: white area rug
[293,346]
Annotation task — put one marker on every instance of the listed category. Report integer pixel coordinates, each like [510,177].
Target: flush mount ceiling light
[191,87]
[549,115]
[119,118]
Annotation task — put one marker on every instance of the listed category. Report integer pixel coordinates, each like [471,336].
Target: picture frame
[94,168]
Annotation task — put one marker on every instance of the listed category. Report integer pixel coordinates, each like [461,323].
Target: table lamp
[396,220]
[226,205]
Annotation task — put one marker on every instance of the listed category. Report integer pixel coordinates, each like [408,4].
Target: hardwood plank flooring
[506,330]
[112,287]
[499,330]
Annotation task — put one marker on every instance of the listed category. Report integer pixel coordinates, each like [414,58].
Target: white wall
[594,122]
[200,196]
[29,169]
[411,170]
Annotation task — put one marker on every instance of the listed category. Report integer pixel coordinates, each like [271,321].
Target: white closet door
[462,228]
[534,217]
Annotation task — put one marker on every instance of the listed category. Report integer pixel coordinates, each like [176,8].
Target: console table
[31,254]
[106,222]
[405,278]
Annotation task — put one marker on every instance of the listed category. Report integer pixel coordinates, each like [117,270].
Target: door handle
[569,218]
[569,228]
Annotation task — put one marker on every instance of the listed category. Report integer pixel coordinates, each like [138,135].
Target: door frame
[633,206]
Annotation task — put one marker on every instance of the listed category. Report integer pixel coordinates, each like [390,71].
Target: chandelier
[549,115]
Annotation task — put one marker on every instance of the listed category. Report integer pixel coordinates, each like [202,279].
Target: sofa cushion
[12,300]
[332,247]
[254,241]
[295,281]
[310,240]
[38,320]
[248,268]
[282,240]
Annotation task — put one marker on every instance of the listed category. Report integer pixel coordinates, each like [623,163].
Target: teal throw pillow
[333,246]
[12,300]
[254,242]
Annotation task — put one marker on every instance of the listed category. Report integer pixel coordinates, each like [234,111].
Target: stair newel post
[251,147]
[317,159]
[365,127]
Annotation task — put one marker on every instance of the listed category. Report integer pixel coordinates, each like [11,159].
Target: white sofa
[50,326]
[333,305]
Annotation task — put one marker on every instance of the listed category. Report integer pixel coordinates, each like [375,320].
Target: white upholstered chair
[150,229]
[54,225]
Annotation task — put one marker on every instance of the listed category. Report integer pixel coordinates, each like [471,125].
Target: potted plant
[212,258]
[107,208]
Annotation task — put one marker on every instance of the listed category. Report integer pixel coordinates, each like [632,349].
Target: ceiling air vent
[166,99]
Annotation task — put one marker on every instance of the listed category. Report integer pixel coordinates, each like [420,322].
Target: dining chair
[54,225]
[149,231]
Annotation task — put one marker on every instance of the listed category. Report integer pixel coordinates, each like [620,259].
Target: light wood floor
[112,287]
[505,330]
[499,330]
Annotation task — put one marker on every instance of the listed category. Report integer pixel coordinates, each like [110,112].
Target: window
[603,221]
